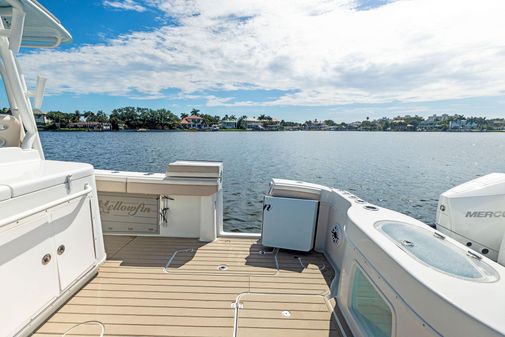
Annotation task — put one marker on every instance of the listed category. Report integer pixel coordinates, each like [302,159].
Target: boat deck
[152,286]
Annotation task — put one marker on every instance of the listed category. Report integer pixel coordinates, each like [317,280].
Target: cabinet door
[28,272]
[73,239]
[289,223]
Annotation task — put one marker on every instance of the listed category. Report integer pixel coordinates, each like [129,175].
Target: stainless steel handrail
[18,217]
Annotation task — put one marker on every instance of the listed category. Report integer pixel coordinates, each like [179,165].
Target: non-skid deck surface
[173,287]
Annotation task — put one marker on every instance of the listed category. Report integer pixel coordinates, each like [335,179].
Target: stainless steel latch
[68,182]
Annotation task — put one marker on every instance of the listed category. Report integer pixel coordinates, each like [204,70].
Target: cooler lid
[25,177]
[197,169]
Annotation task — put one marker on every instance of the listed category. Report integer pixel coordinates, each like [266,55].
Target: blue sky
[292,59]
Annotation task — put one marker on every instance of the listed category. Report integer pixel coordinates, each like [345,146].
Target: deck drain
[222,267]
[286,314]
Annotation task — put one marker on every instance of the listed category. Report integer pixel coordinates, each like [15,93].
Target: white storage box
[289,223]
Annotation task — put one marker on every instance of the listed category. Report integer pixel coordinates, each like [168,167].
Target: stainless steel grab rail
[20,216]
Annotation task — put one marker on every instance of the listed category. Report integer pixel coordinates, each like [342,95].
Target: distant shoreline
[269,131]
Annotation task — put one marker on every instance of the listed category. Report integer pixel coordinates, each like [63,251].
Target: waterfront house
[252,123]
[433,123]
[314,125]
[193,122]
[94,126]
[354,125]
[462,125]
[40,118]
[272,125]
[497,124]
[228,124]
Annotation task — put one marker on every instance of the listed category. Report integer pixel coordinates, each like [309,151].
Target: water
[402,171]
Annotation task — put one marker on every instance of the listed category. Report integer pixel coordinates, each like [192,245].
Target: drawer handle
[46,259]
[61,249]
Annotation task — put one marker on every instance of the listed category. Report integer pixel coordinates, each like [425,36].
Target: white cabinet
[40,257]
[289,223]
[28,272]
[50,237]
[73,239]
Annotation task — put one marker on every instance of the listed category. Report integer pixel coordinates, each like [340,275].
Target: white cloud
[129,5]
[323,52]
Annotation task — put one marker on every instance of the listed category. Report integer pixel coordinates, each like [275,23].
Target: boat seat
[10,131]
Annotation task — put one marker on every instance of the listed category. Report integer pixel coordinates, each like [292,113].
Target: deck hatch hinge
[68,182]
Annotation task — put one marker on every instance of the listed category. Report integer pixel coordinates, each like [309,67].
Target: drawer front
[28,272]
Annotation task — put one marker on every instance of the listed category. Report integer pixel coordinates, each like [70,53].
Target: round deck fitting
[222,267]
[286,314]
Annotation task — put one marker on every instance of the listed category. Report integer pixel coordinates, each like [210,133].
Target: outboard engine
[474,214]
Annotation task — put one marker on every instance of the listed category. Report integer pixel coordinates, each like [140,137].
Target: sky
[292,59]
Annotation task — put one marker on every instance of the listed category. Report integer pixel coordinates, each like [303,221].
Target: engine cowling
[474,214]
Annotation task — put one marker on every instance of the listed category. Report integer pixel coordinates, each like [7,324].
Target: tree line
[139,118]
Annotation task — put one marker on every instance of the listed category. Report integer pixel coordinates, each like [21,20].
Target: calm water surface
[402,171]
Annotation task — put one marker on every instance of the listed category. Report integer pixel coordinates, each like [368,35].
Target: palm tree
[102,117]
[239,122]
[76,117]
[89,116]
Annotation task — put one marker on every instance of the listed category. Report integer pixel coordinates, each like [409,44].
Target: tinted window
[369,308]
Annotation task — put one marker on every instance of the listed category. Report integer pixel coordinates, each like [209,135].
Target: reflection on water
[402,171]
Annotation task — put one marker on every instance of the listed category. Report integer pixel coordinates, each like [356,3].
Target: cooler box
[289,223]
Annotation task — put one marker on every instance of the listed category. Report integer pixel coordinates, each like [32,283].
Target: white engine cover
[474,213]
